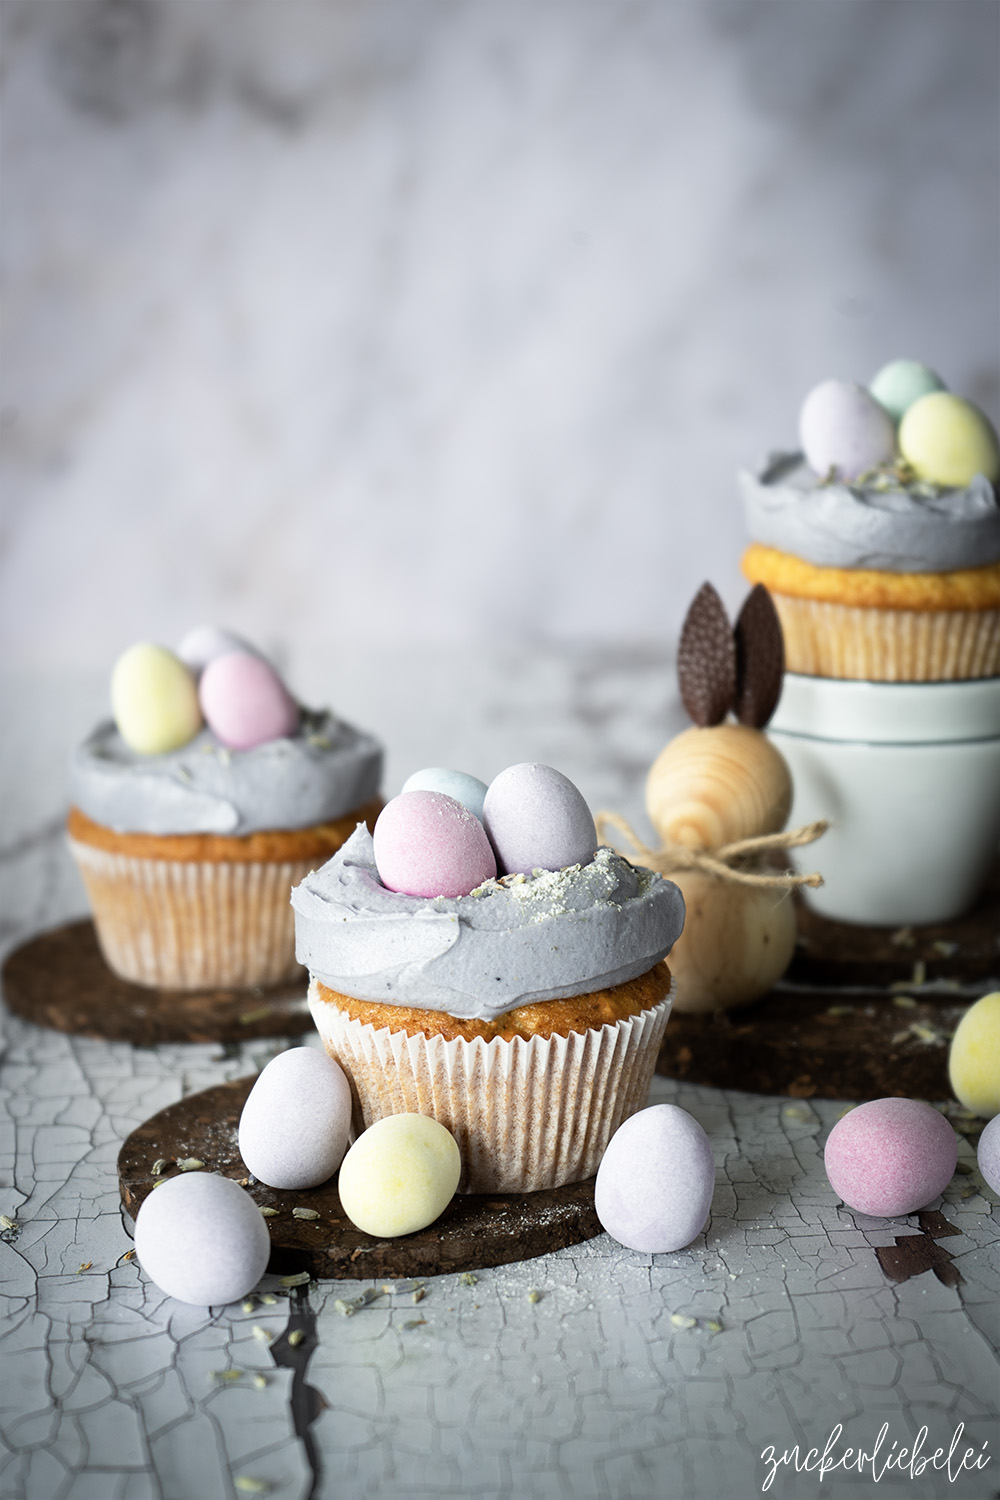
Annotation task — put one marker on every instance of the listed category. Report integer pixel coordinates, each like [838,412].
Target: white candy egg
[655,1182]
[202,1239]
[537,819]
[296,1121]
[205,642]
[842,427]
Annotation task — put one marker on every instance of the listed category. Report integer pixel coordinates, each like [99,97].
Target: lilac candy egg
[842,427]
[205,642]
[427,844]
[245,702]
[296,1121]
[890,1156]
[468,790]
[202,1239]
[656,1179]
[537,820]
[988,1153]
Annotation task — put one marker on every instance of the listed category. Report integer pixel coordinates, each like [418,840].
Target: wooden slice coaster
[862,1013]
[475,1230]
[60,980]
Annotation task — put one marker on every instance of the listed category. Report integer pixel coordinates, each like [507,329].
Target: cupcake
[198,806]
[521,1003]
[880,541]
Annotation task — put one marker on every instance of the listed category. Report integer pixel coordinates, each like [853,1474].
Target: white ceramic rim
[898,713]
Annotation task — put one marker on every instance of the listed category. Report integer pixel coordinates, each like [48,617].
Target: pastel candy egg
[656,1179]
[202,1239]
[245,701]
[400,1175]
[205,642]
[974,1058]
[948,441]
[468,790]
[842,427]
[890,1156]
[154,700]
[297,1119]
[901,382]
[988,1153]
[537,820]
[427,844]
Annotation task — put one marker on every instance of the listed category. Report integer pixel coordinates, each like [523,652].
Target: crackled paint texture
[594,1372]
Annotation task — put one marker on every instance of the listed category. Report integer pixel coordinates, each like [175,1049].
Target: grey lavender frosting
[325,770]
[523,938]
[916,529]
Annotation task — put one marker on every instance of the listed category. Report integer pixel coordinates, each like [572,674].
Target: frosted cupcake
[880,544]
[198,807]
[522,1007]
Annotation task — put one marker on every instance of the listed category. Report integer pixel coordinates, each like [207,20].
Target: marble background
[449,322]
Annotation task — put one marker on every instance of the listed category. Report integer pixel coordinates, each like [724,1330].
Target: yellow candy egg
[400,1175]
[974,1059]
[154,699]
[948,441]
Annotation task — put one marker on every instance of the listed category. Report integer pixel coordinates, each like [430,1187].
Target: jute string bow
[723,862]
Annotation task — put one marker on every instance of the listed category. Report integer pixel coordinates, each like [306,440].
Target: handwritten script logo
[895,1460]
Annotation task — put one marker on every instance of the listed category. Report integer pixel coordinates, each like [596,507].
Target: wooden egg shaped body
[737,942]
[715,786]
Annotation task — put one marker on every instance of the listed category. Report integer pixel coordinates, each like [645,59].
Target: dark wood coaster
[853,1017]
[60,980]
[475,1230]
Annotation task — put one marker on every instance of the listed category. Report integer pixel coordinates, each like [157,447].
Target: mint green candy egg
[901,382]
[948,441]
[154,699]
[400,1175]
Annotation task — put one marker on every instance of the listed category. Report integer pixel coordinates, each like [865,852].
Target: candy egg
[988,1153]
[245,701]
[205,642]
[537,820]
[890,1156]
[654,1186]
[296,1121]
[154,700]
[400,1175]
[468,790]
[202,1239]
[974,1058]
[842,427]
[948,441]
[427,844]
[901,382]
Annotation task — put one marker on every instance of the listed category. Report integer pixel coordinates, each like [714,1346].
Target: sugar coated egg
[538,820]
[843,428]
[154,700]
[890,1156]
[245,702]
[297,1119]
[205,642]
[988,1153]
[948,441]
[202,1239]
[974,1058]
[901,382]
[655,1182]
[400,1175]
[468,790]
[427,844]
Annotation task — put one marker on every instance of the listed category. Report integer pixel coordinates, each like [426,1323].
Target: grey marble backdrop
[450,321]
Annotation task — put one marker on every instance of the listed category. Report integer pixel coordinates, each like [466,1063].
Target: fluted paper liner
[888,645]
[190,925]
[527,1114]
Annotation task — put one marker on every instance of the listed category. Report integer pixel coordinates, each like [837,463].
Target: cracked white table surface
[592,1372]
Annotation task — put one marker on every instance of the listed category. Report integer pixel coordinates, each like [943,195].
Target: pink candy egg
[890,1156]
[427,844]
[245,702]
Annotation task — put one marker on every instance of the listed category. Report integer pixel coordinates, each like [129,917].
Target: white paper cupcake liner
[527,1114]
[190,925]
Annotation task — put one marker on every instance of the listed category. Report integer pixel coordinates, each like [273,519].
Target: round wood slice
[862,1013]
[475,1229]
[60,980]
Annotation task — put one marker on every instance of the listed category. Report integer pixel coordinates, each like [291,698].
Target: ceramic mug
[909,776]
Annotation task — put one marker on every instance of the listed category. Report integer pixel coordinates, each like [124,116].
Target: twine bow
[672,858]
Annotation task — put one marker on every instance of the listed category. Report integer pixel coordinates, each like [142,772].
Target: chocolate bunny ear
[760,659]
[706,659]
